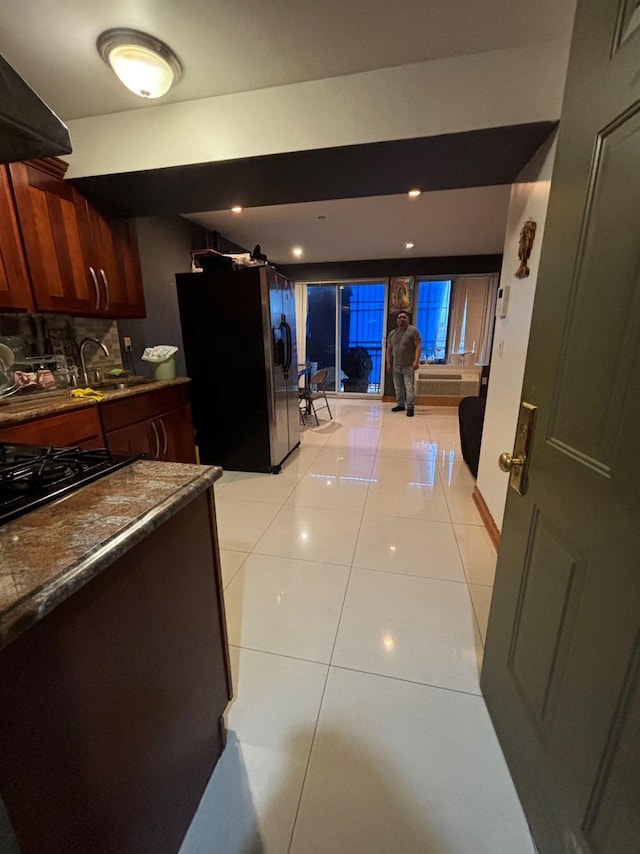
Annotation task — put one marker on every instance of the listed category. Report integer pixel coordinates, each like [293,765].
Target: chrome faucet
[83,364]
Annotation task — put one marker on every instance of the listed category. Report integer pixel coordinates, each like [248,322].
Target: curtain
[472,318]
[301,322]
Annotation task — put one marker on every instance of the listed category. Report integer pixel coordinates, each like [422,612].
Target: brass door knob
[507,462]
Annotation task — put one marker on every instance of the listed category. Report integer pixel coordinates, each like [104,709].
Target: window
[432,317]
[472,318]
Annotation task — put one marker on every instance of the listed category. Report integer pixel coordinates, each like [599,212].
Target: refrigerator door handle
[278,347]
[289,348]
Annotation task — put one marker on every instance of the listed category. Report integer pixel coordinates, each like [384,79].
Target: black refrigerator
[239,339]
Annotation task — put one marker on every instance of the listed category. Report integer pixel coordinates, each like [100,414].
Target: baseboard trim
[487,518]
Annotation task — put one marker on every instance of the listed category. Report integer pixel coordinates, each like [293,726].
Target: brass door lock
[516,464]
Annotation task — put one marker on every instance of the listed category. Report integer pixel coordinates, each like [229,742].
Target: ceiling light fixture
[236,209]
[297,251]
[143,63]
[409,245]
[413,194]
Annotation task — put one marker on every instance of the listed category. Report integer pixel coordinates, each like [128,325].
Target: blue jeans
[403,385]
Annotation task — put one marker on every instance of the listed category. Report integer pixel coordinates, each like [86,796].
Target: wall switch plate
[127,344]
[502,303]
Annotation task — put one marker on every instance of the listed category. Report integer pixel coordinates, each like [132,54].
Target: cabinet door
[53,242]
[127,293]
[15,287]
[98,251]
[111,252]
[138,438]
[176,434]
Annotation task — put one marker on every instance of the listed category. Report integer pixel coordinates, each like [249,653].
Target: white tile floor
[357,586]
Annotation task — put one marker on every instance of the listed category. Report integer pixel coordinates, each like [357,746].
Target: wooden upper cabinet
[81,262]
[15,287]
[46,209]
[129,295]
[111,254]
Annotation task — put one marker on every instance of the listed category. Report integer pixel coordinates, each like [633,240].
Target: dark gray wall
[165,249]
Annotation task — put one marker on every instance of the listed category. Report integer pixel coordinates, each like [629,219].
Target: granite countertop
[48,554]
[17,409]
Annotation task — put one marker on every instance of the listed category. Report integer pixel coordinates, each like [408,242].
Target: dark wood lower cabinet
[111,706]
[156,423]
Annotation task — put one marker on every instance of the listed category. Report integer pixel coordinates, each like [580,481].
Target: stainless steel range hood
[28,128]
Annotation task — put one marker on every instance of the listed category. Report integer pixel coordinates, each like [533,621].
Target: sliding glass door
[345,334]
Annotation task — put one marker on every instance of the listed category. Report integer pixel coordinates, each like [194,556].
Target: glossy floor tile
[419,629]
[409,546]
[242,523]
[406,499]
[481,597]
[311,533]
[266,488]
[289,607]
[357,589]
[231,562]
[418,772]
[330,491]
[251,800]
[478,553]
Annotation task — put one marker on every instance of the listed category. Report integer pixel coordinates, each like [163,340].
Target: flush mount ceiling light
[297,251]
[143,63]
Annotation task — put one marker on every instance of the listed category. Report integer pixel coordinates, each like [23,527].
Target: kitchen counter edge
[90,535]
[19,411]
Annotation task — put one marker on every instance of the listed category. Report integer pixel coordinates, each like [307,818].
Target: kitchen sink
[119,383]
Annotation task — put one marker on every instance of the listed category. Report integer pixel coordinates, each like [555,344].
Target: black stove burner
[31,476]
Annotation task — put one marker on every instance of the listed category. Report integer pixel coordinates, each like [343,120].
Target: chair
[307,396]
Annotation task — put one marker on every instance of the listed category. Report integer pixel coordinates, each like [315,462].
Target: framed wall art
[401,295]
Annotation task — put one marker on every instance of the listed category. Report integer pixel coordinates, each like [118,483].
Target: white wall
[529,200]
[165,249]
[442,96]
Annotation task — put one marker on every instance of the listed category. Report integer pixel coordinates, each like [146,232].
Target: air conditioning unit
[448,382]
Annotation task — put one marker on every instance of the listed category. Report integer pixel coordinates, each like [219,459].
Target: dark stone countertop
[18,409]
[48,554]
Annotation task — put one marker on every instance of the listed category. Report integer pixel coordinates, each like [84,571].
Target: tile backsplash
[60,335]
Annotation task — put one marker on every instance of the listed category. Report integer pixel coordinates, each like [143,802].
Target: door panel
[605,308]
[551,581]
[560,675]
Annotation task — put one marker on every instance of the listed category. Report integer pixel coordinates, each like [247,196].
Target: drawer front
[81,427]
[142,406]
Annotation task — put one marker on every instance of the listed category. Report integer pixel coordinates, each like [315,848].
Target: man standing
[404,346]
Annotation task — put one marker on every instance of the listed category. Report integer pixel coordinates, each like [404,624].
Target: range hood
[29,130]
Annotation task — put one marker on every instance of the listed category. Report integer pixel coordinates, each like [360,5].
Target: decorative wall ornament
[401,293]
[525,245]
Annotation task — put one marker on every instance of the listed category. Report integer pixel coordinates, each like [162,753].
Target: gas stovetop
[32,475]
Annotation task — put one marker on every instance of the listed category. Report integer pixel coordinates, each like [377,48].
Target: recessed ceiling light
[413,194]
[409,245]
[297,251]
[321,216]
[142,62]
[236,209]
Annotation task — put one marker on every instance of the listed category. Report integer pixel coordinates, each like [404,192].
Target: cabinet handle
[164,437]
[157,435]
[106,289]
[95,285]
